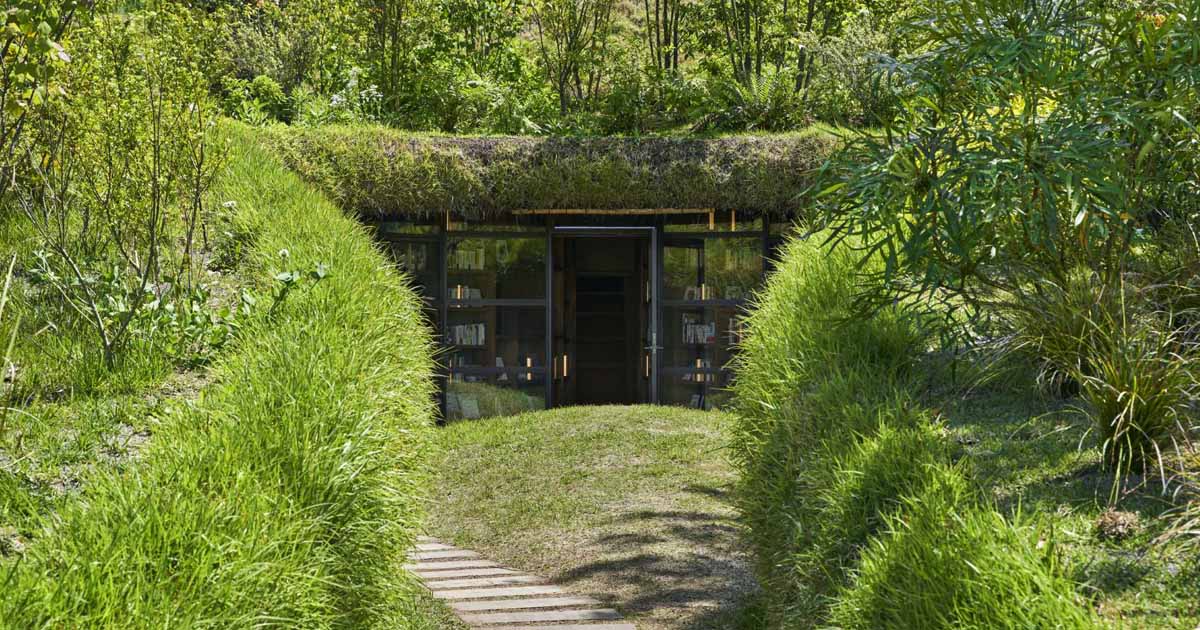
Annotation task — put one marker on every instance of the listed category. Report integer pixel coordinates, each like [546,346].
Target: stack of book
[468,334]
[697,331]
[468,259]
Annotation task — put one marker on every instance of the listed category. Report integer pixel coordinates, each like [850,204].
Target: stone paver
[486,595]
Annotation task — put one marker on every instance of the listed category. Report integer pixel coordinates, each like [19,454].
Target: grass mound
[945,564]
[286,493]
[626,504]
[838,459]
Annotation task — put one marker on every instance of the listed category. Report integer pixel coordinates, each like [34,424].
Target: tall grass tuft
[811,381]
[945,564]
[1139,384]
[286,495]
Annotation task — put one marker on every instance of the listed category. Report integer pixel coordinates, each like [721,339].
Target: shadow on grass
[685,567]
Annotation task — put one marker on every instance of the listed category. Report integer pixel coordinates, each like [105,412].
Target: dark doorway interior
[605,316]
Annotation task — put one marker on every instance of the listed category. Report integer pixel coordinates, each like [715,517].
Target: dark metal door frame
[655,316]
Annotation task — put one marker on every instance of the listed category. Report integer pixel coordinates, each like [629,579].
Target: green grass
[626,504]
[286,494]
[1039,456]
[854,511]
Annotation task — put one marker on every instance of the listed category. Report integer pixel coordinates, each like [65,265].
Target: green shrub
[287,493]
[946,564]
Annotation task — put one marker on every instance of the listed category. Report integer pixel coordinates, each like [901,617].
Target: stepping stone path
[486,595]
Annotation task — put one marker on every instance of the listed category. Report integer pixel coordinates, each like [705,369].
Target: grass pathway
[626,505]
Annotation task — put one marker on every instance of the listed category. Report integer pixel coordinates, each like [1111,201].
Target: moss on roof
[383,173]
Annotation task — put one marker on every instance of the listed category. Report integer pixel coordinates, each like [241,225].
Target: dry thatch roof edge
[384,173]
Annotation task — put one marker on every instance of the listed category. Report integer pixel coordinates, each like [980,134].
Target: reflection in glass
[490,269]
[419,260]
[472,397]
[711,269]
[497,360]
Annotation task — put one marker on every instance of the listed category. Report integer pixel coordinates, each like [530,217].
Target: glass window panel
[419,260]
[469,397]
[707,391]
[510,337]
[712,268]
[700,336]
[682,264]
[497,360]
[733,267]
[496,268]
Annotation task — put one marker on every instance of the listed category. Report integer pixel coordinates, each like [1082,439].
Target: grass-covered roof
[384,173]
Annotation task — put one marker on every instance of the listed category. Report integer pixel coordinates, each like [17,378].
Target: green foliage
[289,490]
[32,59]
[766,103]
[1034,138]
[836,453]
[945,564]
[868,484]
[1140,386]
[810,384]
[559,66]
[381,173]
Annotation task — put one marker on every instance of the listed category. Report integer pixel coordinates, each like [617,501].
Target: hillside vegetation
[286,493]
[879,490]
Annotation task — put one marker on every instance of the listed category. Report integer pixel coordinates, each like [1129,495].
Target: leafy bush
[289,491]
[945,564]
[1031,142]
[756,103]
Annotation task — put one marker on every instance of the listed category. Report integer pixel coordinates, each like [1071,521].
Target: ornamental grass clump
[1138,380]
[946,562]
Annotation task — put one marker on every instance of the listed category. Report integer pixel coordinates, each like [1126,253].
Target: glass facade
[662,295]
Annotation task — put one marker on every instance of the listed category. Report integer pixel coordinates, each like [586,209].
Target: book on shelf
[464,292]
[468,334]
[699,377]
[696,331]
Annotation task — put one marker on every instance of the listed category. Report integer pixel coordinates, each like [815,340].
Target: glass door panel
[706,282]
[495,329]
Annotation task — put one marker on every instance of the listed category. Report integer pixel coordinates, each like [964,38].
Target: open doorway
[603,305]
